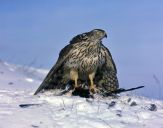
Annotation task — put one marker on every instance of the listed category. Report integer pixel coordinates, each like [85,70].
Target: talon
[93,89]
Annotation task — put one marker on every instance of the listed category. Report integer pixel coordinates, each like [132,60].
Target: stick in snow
[28,105]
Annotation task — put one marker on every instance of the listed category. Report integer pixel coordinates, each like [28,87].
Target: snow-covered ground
[17,85]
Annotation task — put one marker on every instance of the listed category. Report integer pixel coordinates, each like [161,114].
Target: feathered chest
[86,57]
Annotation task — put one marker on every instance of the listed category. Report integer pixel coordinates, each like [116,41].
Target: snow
[18,83]
[29,79]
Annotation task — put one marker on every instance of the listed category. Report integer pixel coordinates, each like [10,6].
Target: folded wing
[106,77]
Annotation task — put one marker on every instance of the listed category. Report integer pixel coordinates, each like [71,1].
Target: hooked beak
[105,35]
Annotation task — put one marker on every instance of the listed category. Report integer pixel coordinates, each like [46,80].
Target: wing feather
[53,73]
[109,62]
[106,77]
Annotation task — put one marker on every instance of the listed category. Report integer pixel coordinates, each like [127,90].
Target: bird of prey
[85,58]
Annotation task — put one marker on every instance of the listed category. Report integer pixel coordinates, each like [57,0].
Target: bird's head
[94,35]
[97,34]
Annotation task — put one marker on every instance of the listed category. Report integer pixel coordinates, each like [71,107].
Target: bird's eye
[84,36]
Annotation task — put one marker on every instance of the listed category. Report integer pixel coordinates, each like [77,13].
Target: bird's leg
[74,77]
[92,87]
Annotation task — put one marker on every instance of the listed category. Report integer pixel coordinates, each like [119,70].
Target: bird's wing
[57,70]
[106,77]
[109,62]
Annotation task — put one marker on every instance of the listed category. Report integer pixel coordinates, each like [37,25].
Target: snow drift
[18,83]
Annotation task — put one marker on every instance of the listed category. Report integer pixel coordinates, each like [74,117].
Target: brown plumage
[85,58]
